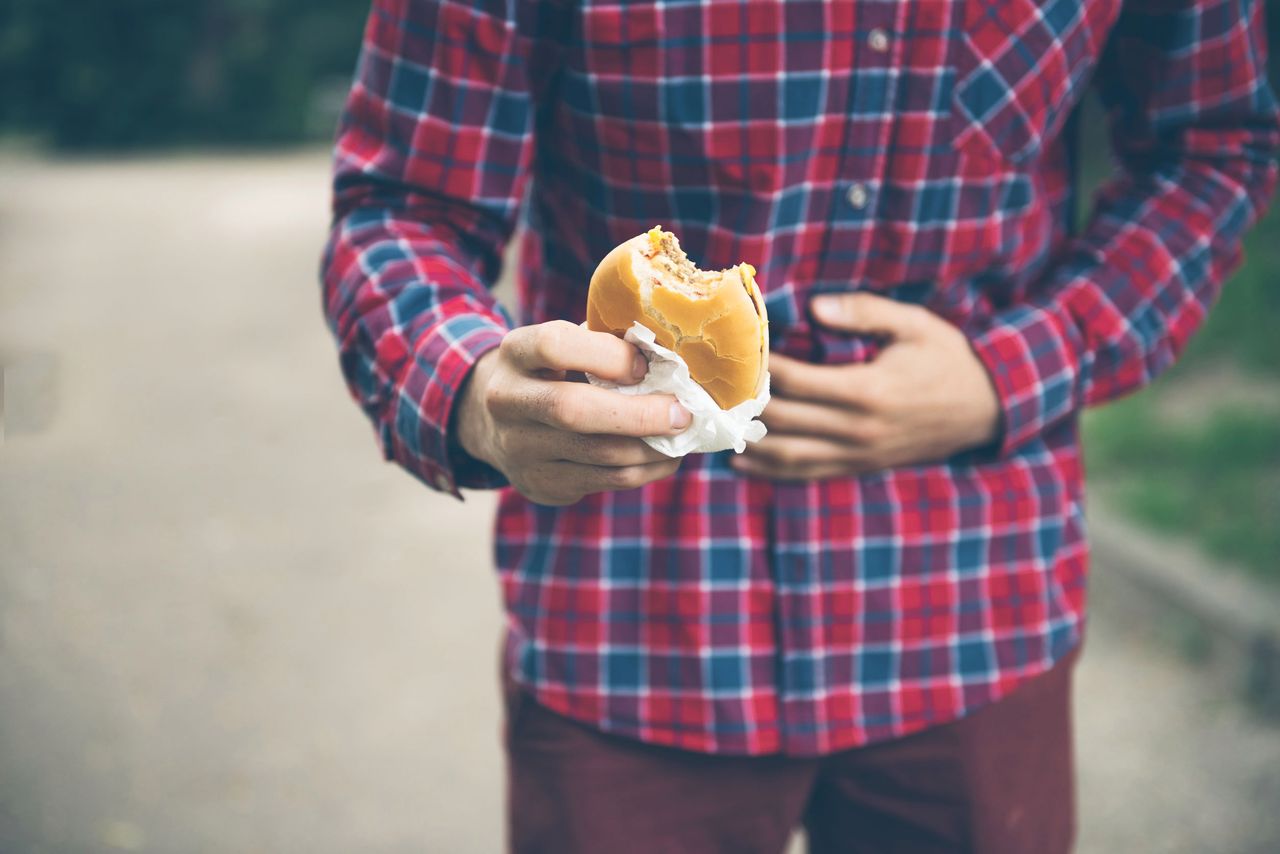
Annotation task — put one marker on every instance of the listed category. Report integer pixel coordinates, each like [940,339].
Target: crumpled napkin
[712,428]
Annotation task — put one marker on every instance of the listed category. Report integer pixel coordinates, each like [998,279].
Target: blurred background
[226,626]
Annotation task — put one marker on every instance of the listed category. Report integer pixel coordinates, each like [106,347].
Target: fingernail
[639,366]
[679,417]
[827,308]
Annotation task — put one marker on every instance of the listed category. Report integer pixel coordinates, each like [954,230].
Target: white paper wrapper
[713,428]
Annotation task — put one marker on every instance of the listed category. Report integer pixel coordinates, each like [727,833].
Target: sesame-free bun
[714,320]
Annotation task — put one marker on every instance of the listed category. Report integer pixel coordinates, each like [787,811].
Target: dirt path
[226,627]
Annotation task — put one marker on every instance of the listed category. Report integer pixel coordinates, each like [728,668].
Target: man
[866,623]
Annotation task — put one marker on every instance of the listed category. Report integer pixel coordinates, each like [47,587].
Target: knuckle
[775,453]
[521,444]
[622,478]
[494,397]
[864,466]
[781,420]
[554,404]
[654,417]
[611,453]
[517,343]
[521,480]
[869,431]
[529,490]
[547,345]
[616,479]
[566,409]
[873,392]
[642,422]
[570,491]
[767,457]
[541,487]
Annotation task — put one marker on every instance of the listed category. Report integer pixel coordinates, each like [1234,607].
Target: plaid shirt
[918,148]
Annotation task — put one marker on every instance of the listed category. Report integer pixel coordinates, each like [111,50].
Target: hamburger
[713,319]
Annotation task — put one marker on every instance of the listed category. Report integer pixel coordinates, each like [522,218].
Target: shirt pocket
[1021,67]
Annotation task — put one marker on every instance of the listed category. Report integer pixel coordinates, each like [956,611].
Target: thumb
[869,314]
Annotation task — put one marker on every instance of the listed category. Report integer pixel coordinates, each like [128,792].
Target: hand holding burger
[557,440]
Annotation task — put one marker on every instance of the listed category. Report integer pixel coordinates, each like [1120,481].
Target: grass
[1217,480]
[1244,326]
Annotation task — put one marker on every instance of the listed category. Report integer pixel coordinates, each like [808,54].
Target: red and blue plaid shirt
[918,148]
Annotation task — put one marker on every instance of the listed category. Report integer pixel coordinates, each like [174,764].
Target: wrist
[988,414]
[988,419]
[472,427]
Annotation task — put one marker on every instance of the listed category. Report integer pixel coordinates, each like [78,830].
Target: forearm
[1196,146]
[1134,289]
[411,315]
[422,211]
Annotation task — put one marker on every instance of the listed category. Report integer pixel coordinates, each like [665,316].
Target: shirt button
[442,482]
[858,195]
[878,40]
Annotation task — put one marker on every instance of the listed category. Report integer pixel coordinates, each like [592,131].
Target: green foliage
[1243,327]
[89,73]
[1217,480]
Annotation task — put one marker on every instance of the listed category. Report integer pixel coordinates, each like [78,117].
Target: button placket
[881,59]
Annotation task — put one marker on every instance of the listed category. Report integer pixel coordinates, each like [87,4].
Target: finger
[842,384]
[787,451]
[582,479]
[538,441]
[793,417]
[580,408]
[770,471]
[869,314]
[796,379]
[558,345]
[615,478]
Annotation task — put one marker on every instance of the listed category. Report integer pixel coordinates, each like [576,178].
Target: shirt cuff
[418,437]
[1030,354]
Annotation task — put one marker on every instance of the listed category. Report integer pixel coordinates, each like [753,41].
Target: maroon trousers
[999,780]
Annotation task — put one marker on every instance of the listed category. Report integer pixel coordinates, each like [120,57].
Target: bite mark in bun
[714,319]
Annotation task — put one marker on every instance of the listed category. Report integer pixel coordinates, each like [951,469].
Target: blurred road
[226,626]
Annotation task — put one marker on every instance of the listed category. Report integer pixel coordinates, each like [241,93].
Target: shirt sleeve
[432,155]
[1194,127]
